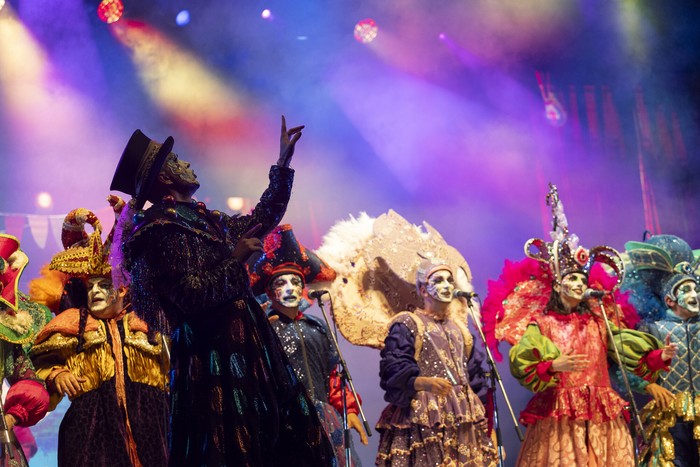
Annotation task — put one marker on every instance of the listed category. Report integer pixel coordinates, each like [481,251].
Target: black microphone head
[316,294]
[593,293]
[462,294]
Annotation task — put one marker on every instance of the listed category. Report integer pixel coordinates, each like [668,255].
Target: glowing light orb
[366,30]
[182,18]
[235,203]
[110,11]
[266,14]
[2,4]
[44,200]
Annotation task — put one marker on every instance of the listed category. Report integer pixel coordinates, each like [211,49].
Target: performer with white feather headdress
[394,290]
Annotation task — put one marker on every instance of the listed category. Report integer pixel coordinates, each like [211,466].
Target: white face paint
[103,300]
[441,286]
[287,290]
[572,288]
[687,299]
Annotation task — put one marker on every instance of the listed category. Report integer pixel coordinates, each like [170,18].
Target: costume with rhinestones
[119,414]
[574,418]
[20,319]
[657,268]
[378,264]
[419,427]
[305,338]
[234,401]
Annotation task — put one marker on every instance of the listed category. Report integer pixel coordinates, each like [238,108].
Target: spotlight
[44,200]
[366,30]
[266,14]
[182,18]
[110,11]
[235,203]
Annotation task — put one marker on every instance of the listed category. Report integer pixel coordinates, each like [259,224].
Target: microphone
[594,293]
[462,294]
[316,294]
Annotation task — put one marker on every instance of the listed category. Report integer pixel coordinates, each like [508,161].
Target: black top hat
[139,166]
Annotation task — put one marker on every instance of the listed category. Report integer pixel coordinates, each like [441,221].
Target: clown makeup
[287,290]
[687,299]
[103,300]
[441,286]
[572,288]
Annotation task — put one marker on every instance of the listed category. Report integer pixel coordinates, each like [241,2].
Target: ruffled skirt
[435,431]
[567,442]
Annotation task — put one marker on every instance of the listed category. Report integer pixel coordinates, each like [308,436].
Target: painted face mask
[287,290]
[180,172]
[687,297]
[102,298]
[573,286]
[441,286]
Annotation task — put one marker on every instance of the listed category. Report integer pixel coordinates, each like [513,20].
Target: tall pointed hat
[283,254]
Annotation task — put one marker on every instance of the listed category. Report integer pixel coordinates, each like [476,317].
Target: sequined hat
[9,277]
[656,267]
[283,254]
[563,254]
[140,165]
[85,255]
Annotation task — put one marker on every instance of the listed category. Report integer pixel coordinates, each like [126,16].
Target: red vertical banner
[589,94]
[664,133]
[612,128]
[651,213]
[645,140]
[677,136]
[574,118]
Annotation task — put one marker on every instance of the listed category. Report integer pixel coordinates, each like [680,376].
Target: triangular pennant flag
[56,223]
[39,227]
[14,225]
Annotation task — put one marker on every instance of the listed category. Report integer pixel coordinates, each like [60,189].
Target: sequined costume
[235,400]
[124,401]
[576,418]
[540,306]
[656,266]
[27,399]
[119,408]
[419,427]
[311,353]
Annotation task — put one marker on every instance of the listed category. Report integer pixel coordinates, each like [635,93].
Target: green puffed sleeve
[634,347]
[531,358]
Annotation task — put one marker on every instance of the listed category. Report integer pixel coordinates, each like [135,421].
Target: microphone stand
[345,383]
[623,371]
[495,378]
[6,441]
